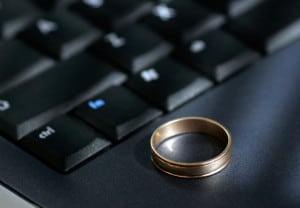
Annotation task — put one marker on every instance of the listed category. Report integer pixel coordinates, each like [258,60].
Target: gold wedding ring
[191,125]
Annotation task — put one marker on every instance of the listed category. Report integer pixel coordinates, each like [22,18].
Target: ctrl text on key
[46,133]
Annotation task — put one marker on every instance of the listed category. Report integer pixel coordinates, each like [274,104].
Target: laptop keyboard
[78,76]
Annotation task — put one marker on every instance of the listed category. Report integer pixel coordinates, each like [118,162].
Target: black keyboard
[77,77]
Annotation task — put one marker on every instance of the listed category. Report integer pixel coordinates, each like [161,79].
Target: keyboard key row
[62,34]
[166,83]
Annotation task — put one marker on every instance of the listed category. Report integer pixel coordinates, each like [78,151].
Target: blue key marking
[96,104]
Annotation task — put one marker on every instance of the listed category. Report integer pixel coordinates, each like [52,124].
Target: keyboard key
[54,92]
[52,4]
[270,26]
[16,69]
[168,84]
[113,14]
[64,143]
[60,35]
[15,15]
[133,48]
[117,112]
[231,7]
[216,54]
[181,21]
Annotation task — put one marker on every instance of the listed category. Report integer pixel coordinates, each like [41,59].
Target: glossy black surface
[260,107]
[190,147]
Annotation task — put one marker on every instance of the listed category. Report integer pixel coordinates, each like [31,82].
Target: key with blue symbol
[117,112]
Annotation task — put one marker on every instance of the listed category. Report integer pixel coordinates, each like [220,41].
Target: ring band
[191,125]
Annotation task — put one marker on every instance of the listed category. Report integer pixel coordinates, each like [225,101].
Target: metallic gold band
[191,169]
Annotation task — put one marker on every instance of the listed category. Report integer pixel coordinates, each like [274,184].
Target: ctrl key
[64,143]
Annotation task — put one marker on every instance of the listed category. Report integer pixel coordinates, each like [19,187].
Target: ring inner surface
[190,147]
[190,141]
